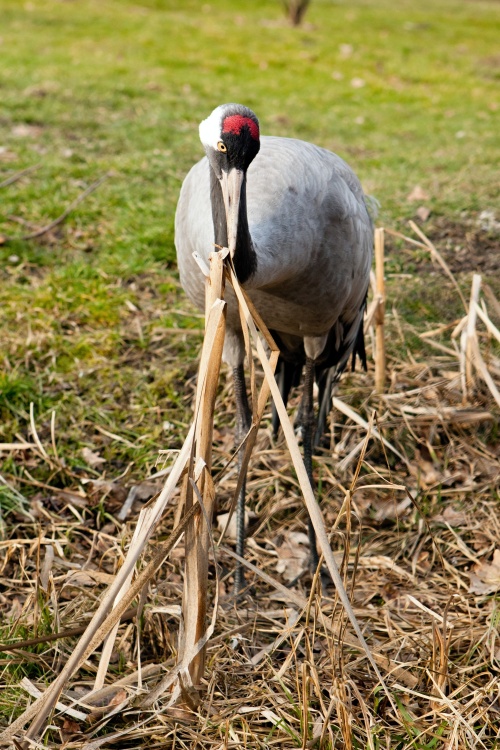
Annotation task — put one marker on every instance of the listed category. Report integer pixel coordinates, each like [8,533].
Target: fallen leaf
[73,499]
[362,500]
[91,458]
[452,516]
[180,715]
[103,485]
[298,537]
[417,194]
[70,727]
[231,529]
[423,213]
[102,703]
[293,556]
[425,473]
[147,490]
[389,508]
[390,592]
[108,528]
[88,578]
[486,576]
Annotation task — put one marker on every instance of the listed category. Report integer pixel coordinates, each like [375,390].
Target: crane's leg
[325,381]
[243,422]
[287,376]
[307,422]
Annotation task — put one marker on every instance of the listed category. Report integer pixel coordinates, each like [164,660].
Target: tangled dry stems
[419,563]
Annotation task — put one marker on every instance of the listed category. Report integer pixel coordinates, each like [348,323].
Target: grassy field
[98,337]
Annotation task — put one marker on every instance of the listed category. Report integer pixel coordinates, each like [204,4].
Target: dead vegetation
[414,525]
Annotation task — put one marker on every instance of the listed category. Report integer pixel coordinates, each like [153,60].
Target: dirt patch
[466,246]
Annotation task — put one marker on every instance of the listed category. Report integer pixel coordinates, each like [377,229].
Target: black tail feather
[359,348]
[326,377]
[327,373]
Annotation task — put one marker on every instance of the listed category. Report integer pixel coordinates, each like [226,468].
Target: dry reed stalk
[16,446]
[468,353]
[459,327]
[439,329]
[35,692]
[180,678]
[101,624]
[36,438]
[471,327]
[492,300]
[194,605]
[492,329]
[483,371]
[53,224]
[379,312]
[66,633]
[17,176]
[462,359]
[116,597]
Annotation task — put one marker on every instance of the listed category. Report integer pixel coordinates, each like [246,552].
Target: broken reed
[149,518]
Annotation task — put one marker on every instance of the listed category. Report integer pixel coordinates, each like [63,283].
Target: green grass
[91,88]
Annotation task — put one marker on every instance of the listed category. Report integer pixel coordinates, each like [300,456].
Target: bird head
[230,136]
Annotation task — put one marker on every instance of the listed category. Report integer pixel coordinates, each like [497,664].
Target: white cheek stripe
[210,129]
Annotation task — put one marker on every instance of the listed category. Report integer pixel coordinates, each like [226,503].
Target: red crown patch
[234,124]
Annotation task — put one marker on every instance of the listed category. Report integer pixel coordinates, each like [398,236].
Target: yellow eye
[221,147]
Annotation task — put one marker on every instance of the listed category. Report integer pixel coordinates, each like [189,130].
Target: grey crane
[296,222]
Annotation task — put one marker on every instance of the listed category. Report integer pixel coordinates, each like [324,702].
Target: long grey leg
[243,422]
[308,423]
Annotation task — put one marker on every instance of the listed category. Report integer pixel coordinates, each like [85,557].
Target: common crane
[295,219]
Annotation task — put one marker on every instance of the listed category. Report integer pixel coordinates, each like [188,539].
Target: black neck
[245,258]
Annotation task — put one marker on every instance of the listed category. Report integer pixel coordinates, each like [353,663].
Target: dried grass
[414,526]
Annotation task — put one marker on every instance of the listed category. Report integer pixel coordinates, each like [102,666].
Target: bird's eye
[221,147]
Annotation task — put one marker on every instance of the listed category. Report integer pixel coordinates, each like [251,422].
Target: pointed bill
[231,183]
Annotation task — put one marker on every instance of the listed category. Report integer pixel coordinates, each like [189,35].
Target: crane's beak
[231,183]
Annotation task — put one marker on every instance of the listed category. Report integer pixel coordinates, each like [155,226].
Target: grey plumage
[309,239]
[312,235]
